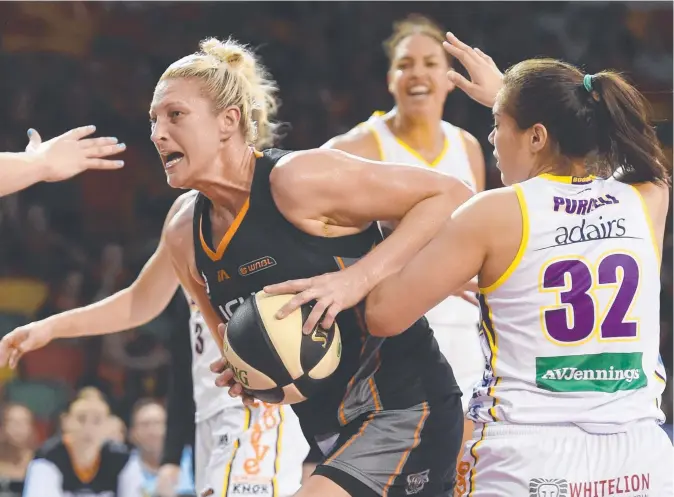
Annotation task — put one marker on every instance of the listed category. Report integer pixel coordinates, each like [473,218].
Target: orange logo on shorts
[268,422]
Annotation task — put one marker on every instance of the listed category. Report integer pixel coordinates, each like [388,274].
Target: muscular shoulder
[359,141]
[178,226]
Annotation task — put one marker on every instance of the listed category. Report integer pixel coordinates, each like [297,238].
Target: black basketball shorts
[398,453]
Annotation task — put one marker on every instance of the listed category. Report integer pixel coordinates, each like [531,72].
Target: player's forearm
[18,171]
[421,223]
[121,311]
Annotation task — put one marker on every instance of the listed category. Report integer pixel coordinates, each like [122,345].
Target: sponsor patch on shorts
[635,485]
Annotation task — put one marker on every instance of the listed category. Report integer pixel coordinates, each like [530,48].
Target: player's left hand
[333,292]
[226,378]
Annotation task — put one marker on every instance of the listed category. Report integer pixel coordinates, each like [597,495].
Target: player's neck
[561,167]
[424,133]
[227,183]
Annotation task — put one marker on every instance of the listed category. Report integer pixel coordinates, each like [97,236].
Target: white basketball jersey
[453,160]
[571,332]
[208,398]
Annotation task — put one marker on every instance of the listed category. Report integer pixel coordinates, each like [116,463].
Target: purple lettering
[645,481]
[617,486]
[559,201]
[571,205]
[612,199]
[582,207]
[611,486]
[603,484]
[592,206]
[627,484]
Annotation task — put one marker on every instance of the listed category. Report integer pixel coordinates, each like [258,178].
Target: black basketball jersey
[261,248]
[52,473]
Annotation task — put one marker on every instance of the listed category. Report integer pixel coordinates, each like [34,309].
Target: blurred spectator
[17,440]
[81,461]
[148,425]
[116,429]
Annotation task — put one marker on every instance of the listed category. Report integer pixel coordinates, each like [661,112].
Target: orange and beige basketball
[273,360]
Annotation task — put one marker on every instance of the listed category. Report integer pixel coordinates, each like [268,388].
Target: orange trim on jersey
[415,443]
[350,441]
[85,474]
[257,153]
[371,384]
[229,234]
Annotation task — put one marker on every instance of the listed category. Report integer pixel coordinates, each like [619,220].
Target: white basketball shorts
[565,461]
[244,451]
[461,348]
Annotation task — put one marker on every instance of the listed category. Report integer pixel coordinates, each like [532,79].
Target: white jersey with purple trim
[208,399]
[571,330]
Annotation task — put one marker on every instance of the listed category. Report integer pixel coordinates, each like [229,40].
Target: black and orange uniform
[389,420]
[52,473]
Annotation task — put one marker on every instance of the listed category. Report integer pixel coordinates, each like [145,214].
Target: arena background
[69,64]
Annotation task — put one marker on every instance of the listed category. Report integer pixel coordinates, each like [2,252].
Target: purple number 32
[582,304]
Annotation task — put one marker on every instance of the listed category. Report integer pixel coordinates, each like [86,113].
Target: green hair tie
[587,82]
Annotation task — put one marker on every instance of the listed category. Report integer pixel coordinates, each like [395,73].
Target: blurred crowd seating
[71,63]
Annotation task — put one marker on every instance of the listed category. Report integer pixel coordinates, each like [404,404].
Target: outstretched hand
[22,340]
[485,78]
[71,153]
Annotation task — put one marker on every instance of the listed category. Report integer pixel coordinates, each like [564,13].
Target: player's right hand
[24,339]
[69,154]
[485,78]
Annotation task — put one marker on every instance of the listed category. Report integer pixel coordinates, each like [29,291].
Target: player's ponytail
[627,139]
[232,75]
[600,118]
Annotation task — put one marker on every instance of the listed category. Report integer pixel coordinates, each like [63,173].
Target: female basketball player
[306,213]
[568,259]
[414,133]
[225,429]
[82,462]
[57,159]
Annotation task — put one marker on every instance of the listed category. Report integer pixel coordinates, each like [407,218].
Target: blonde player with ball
[414,133]
[568,259]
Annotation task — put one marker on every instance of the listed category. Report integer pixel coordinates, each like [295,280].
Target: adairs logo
[257,265]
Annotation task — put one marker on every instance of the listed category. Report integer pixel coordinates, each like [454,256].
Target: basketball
[271,358]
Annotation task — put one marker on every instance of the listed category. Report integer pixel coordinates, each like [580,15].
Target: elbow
[379,322]
[455,190]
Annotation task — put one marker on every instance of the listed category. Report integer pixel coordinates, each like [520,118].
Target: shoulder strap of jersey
[200,203]
[260,190]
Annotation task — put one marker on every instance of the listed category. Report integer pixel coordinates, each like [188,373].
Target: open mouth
[419,91]
[172,159]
